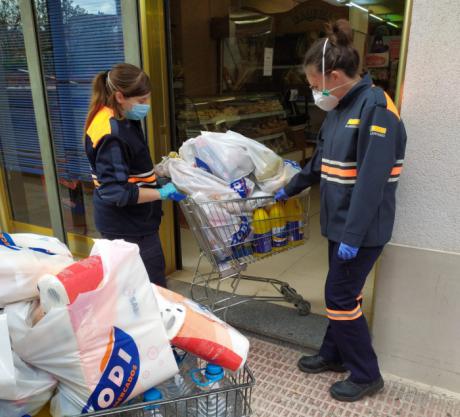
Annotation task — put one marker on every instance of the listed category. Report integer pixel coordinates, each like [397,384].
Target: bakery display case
[261,117]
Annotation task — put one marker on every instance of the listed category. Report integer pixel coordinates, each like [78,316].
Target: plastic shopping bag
[284,175]
[108,345]
[266,162]
[24,257]
[201,185]
[195,329]
[31,390]
[224,159]
[7,377]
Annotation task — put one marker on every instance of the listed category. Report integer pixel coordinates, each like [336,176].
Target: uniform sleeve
[310,174]
[112,171]
[380,132]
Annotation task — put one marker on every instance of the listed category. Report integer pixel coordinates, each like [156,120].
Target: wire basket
[232,400]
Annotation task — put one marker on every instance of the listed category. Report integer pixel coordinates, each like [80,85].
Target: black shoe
[351,391]
[316,364]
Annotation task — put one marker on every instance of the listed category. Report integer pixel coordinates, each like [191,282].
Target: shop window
[77,40]
[20,156]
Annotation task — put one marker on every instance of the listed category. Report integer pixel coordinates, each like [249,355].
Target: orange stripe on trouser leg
[343,311]
[344,318]
[345,314]
[396,171]
[348,173]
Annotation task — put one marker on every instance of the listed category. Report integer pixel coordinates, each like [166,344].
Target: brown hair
[340,52]
[128,79]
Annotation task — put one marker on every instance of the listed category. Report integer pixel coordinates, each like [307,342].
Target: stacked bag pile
[93,334]
[222,168]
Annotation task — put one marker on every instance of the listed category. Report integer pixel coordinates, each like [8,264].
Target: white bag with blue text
[106,347]
[24,258]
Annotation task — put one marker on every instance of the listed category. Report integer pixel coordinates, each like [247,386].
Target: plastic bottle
[278,223]
[213,405]
[262,238]
[295,225]
[181,385]
[153,394]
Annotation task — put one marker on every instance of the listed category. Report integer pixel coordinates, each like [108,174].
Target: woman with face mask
[358,162]
[127,198]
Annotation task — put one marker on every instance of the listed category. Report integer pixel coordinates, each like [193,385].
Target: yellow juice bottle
[295,224]
[261,226]
[278,221]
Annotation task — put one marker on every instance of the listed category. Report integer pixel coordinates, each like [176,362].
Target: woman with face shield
[358,161]
[127,197]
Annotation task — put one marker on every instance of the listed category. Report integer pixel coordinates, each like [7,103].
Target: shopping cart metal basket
[230,235]
[234,400]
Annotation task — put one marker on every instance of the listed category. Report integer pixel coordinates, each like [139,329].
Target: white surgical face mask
[324,99]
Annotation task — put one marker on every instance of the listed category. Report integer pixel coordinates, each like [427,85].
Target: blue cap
[152,395]
[214,372]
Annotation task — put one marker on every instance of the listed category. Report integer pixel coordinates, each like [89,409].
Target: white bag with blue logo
[106,347]
[24,258]
[200,184]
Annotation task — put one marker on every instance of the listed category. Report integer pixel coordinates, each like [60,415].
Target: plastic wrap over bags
[106,347]
[224,159]
[24,258]
[31,390]
[201,185]
[284,175]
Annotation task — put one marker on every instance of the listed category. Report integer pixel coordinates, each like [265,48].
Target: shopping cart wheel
[303,308]
[289,293]
[291,296]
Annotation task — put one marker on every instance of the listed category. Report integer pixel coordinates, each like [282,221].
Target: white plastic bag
[32,389]
[266,162]
[106,347]
[7,377]
[24,257]
[202,185]
[284,175]
[225,159]
[187,151]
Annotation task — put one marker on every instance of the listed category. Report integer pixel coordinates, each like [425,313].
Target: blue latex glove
[177,197]
[169,191]
[347,252]
[281,195]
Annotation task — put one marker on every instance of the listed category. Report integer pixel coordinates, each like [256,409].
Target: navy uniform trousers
[151,253]
[347,339]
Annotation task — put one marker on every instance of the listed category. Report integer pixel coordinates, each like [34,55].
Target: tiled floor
[283,391]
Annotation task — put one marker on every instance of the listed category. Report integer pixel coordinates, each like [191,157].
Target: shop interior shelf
[222,119]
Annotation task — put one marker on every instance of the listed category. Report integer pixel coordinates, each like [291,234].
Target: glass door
[45,177]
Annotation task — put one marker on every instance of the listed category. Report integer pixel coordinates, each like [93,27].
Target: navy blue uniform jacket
[358,162]
[120,163]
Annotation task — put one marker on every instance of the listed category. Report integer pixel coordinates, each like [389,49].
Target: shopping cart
[234,400]
[226,232]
